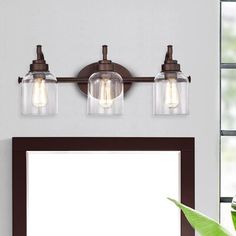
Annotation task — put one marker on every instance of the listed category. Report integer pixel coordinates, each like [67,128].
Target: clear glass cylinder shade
[39,94]
[171,94]
[105,93]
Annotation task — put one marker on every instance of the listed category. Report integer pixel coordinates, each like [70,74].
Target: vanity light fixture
[105,89]
[170,88]
[105,84]
[39,88]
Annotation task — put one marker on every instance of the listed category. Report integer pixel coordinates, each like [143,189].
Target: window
[228,108]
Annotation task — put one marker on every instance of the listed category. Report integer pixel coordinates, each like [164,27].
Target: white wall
[137,32]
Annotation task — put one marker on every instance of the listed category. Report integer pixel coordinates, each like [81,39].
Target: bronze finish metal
[39,64]
[104,64]
[170,65]
[84,80]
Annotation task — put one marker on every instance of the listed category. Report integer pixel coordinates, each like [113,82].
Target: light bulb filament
[105,100]
[172,94]
[40,96]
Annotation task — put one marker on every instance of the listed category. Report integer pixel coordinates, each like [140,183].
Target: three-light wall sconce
[105,84]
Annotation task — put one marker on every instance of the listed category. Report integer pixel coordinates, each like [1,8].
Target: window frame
[223,133]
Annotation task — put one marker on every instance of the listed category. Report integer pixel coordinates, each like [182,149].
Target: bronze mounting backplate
[88,70]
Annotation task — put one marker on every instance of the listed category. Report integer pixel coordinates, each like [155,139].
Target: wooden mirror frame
[20,146]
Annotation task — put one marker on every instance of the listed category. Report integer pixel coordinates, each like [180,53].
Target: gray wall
[137,32]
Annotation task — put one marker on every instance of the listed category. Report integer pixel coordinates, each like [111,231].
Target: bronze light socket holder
[39,64]
[104,64]
[170,65]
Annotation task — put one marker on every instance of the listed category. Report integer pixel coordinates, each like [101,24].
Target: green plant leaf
[233,214]
[203,224]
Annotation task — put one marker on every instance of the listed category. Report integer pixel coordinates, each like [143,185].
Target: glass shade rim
[49,77]
[181,77]
[92,76]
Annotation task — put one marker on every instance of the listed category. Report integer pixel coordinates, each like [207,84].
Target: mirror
[101,186]
[102,193]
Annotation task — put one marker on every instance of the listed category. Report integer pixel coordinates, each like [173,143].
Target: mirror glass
[103,193]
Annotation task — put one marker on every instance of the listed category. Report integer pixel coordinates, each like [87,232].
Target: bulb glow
[40,96]
[105,99]
[171,94]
